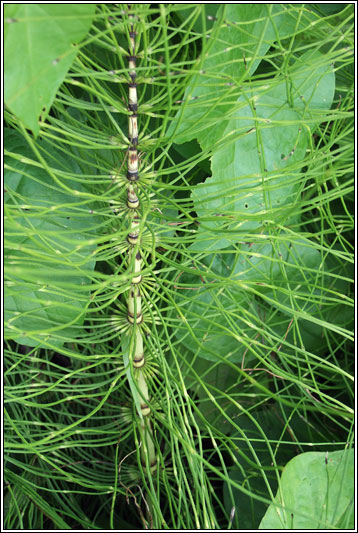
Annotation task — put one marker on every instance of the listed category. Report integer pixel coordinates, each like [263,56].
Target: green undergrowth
[246,147]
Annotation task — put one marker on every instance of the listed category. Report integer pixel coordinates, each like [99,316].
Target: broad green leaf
[316,491]
[278,269]
[163,221]
[291,266]
[222,321]
[221,381]
[313,286]
[246,183]
[309,90]
[45,228]
[210,12]
[40,45]
[285,265]
[254,456]
[329,9]
[238,42]
[268,261]
[263,435]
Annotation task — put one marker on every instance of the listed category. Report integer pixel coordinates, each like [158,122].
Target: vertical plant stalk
[134,301]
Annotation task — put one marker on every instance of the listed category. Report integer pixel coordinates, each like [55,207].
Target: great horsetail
[134,299]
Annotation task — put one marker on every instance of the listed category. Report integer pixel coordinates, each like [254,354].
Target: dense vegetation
[232,274]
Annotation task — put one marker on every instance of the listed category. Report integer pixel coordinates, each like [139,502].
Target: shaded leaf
[266,136]
[221,321]
[45,37]
[316,492]
[45,230]
[238,42]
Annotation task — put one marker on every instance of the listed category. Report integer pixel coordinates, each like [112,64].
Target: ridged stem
[134,301]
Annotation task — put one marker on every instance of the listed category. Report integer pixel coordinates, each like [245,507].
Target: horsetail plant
[134,301]
[178,255]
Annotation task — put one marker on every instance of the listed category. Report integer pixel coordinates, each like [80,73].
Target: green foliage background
[246,181]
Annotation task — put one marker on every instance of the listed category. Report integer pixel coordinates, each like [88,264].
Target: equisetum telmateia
[134,297]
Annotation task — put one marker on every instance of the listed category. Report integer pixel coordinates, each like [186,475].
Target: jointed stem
[134,302]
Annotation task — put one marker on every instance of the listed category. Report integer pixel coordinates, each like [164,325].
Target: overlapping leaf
[47,256]
[264,135]
[316,492]
[40,46]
